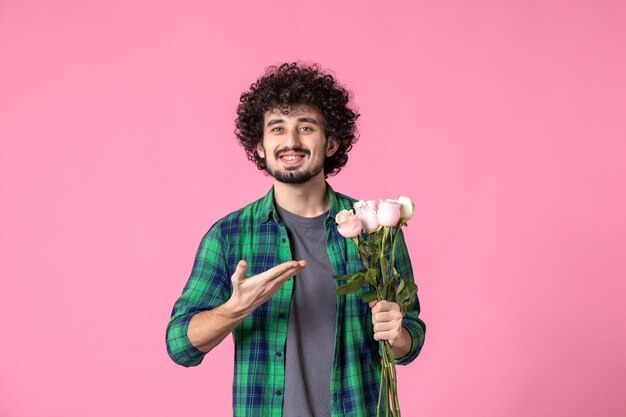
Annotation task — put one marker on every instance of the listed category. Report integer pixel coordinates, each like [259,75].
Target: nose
[293,139]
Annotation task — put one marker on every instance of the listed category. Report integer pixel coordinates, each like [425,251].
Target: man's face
[294,145]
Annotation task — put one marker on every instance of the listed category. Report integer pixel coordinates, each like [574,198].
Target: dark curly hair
[292,84]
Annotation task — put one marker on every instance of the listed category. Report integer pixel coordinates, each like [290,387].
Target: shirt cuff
[417,333]
[179,347]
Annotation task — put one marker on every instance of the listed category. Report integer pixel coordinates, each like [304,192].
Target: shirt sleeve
[208,287]
[411,321]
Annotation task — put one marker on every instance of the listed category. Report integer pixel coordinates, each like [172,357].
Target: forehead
[293,112]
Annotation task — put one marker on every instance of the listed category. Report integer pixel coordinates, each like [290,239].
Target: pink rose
[343,216]
[366,212]
[388,213]
[407,207]
[348,225]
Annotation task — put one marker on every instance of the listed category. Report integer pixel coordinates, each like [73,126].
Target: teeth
[291,158]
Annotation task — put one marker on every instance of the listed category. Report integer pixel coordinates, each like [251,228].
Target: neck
[307,200]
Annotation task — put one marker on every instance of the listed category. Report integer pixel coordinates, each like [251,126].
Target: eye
[306,129]
[276,129]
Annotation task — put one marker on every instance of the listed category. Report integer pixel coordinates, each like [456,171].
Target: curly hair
[293,84]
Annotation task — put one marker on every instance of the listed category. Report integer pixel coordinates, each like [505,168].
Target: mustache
[279,152]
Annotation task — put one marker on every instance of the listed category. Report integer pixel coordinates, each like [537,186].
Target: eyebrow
[300,119]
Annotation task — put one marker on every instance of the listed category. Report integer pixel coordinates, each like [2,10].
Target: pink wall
[504,120]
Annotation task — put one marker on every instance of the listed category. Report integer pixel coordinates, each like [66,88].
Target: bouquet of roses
[374,229]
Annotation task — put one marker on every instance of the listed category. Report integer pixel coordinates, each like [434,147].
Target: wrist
[234,310]
[403,345]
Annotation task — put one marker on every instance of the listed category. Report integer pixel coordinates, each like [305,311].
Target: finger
[285,276]
[240,271]
[372,304]
[378,307]
[387,306]
[390,334]
[386,335]
[281,269]
[386,316]
[290,268]
[274,283]
[383,327]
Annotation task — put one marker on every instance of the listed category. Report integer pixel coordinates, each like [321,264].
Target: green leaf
[350,276]
[411,289]
[375,257]
[384,263]
[364,251]
[406,295]
[371,275]
[401,287]
[369,296]
[376,234]
[389,291]
[353,285]
[346,276]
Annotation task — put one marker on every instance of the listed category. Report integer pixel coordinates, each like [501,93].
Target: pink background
[504,120]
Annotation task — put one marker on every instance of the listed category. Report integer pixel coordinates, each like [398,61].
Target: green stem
[387,394]
[390,380]
[393,246]
[388,370]
[386,378]
[382,254]
[380,390]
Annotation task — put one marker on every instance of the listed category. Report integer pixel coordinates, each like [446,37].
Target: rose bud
[388,213]
[407,207]
[343,216]
[366,212]
[348,225]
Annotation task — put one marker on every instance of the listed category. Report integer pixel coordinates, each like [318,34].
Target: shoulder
[252,213]
[343,201]
[242,219]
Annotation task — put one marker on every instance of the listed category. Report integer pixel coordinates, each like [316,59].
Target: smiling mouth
[292,159]
[293,156]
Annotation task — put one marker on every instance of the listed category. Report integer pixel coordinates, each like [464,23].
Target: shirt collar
[270,212]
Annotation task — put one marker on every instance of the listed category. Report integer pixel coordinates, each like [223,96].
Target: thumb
[240,271]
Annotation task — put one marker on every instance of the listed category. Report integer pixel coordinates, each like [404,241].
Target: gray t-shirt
[311,329]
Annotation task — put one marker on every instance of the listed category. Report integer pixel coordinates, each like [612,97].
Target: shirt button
[283,240]
[278,393]
[279,354]
[281,315]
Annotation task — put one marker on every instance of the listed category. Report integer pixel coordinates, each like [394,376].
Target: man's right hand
[209,327]
[250,292]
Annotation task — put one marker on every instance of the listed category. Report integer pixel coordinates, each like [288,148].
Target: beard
[293,176]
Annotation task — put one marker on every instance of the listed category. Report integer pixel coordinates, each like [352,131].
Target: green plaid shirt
[256,234]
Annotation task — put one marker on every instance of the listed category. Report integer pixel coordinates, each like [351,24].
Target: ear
[259,150]
[331,146]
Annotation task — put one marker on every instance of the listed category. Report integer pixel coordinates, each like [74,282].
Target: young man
[264,272]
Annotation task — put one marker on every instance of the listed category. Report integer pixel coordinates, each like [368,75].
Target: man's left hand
[387,321]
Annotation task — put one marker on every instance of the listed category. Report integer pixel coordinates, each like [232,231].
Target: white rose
[407,207]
